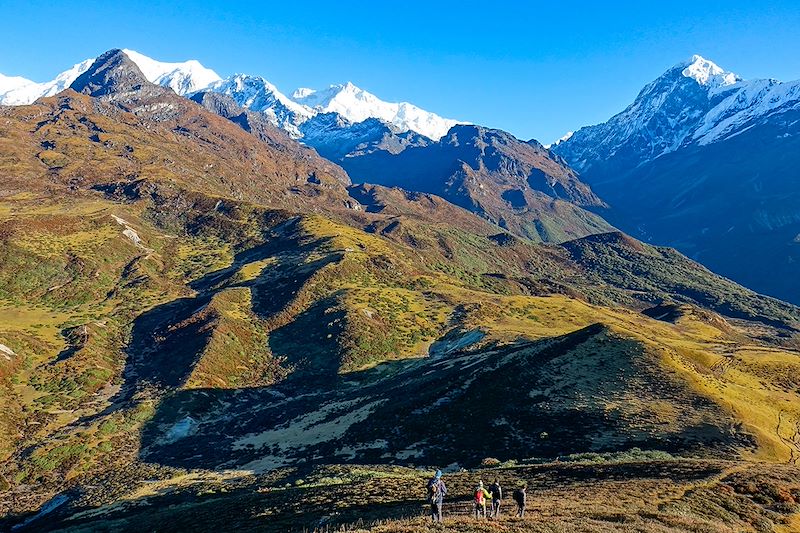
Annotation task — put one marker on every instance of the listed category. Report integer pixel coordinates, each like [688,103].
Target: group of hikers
[437,490]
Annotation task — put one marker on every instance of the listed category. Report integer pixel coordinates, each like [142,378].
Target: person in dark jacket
[520,496]
[436,493]
[497,495]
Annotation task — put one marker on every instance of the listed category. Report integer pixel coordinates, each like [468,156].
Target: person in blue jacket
[436,493]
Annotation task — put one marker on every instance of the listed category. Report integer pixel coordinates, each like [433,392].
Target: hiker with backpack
[520,496]
[480,500]
[497,496]
[436,493]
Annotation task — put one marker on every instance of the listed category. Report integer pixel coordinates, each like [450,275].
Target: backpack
[433,491]
[478,495]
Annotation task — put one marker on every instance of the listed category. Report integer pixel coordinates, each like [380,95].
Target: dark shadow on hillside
[270,298]
[310,343]
[294,510]
[665,274]
[75,338]
[167,341]
[526,399]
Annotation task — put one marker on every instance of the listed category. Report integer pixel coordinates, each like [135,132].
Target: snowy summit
[708,73]
[257,94]
[20,91]
[693,103]
[356,105]
[184,78]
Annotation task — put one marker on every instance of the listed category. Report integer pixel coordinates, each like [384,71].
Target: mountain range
[707,162]
[517,185]
[207,322]
[251,92]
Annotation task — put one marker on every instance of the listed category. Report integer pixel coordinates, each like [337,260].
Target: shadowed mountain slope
[706,164]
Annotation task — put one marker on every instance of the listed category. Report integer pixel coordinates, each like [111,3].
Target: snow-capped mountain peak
[257,94]
[184,78]
[356,105]
[15,90]
[693,103]
[708,73]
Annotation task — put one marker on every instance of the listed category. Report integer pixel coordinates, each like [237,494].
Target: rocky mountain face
[114,128]
[336,138]
[256,94]
[520,186]
[704,161]
[252,122]
[114,75]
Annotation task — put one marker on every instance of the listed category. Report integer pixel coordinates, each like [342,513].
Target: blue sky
[536,69]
